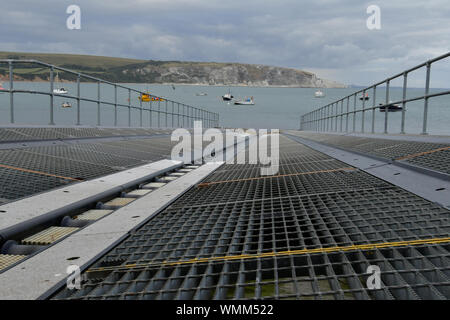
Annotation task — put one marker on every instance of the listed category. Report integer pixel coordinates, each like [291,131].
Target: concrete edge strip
[46,271]
[422,184]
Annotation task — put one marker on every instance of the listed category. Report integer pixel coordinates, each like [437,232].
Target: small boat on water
[364,97]
[245,102]
[66,105]
[227,96]
[60,90]
[201,94]
[390,107]
[146,97]
[319,94]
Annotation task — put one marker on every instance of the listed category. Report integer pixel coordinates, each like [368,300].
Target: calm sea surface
[275,107]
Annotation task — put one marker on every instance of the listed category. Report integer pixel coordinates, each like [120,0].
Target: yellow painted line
[422,153]
[370,246]
[37,172]
[205,184]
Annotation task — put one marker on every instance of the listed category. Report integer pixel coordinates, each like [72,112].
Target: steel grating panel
[122,152]
[284,186]
[438,161]
[250,229]
[49,236]
[295,223]
[11,135]
[331,276]
[17,184]
[304,236]
[96,158]
[426,155]
[53,165]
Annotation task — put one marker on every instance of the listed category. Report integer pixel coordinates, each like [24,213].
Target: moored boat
[245,102]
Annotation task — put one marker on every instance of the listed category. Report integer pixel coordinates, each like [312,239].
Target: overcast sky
[328,37]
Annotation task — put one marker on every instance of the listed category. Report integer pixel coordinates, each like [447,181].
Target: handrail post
[348,114]
[166,110]
[405,86]
[98,105]
[363,111]
[425,106]
[11,90]
[115,105]
[159,112]
[150,110]
[173,113]
[178,114]
[78,100]
[336,117]
[52,122]
[140,112]
[129,107]
[386,112]
[354,114]
[342,115]
[374,108]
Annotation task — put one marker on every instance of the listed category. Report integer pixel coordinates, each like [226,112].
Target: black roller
[69,222]
[13,247]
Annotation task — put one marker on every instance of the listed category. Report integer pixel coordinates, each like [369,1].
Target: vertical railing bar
[386,112]
[159,113]
[78,100]
[115,105]
[11,90]
[425,106]
[129,108]
[173,114]
[405,86]
[140,115]
[166,111]
[363,110]
[373,110]
[348,114]
[150,113]
[51,96]
[354,113]
[98,105]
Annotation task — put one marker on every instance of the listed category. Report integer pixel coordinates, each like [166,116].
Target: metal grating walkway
[434,156]
[309,233]
[30,168]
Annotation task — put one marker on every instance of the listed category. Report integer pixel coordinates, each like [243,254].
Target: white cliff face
[227,74]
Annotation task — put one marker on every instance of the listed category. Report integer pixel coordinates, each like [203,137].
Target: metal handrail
[185,114]
[326,118]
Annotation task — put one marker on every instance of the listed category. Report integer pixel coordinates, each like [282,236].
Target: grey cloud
[328,36]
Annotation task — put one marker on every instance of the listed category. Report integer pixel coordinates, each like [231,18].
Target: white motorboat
[201,94]
[60,90]
[319,94]
[228,96]
[66,105]
[245,102]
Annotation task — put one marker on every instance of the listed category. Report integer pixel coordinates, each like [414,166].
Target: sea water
[275,108]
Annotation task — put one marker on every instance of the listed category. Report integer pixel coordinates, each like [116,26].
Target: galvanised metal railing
[327,117]
[181,115]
